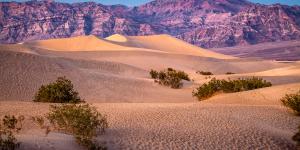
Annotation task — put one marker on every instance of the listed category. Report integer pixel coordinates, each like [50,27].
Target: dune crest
[79,43]
[170,44]
[117,38]
[154,43]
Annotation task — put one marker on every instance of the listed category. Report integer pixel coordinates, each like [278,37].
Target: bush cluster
[229,86]
[61,91]
[9,126]
[170,77]
[82,121]
[229,73]
[205,73]
[292,101]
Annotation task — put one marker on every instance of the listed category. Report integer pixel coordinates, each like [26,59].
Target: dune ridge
[156,43]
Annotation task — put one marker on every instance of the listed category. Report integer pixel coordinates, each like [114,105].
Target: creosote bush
[170,77]
[82,121]
[205,73]
[292,101]
[229,73]
[214,86]
[61,91]
[9,126]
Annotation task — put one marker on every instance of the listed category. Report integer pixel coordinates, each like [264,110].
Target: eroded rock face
[206,23]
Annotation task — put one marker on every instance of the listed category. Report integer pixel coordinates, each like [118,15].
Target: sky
[139,2]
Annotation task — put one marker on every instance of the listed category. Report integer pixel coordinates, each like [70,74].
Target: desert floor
[113,75]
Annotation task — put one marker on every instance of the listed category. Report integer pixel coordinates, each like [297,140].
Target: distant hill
[205,23]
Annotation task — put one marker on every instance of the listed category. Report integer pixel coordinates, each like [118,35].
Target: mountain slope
[205,23]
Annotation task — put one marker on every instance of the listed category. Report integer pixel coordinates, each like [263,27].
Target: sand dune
[165,43]
[113,74]
[80,43]
[105,77]
[266,96]
[174,126]
[101,81]
[286,71]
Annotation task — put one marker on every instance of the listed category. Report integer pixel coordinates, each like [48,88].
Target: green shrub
[229,73]
[61,91]
[213,86]
[182,75]
[82,121]
[170,77]
[153,74]
[292,101]
[9,126]
[247,84]
[205,73]
[207,89]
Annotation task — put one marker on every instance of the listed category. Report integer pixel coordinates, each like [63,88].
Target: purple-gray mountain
[206,23]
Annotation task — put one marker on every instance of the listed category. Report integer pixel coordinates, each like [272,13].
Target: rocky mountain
[205,23]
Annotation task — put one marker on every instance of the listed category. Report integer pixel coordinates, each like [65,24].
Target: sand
[175,126]
[113,75]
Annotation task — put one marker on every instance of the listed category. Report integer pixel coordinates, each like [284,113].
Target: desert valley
[112,74]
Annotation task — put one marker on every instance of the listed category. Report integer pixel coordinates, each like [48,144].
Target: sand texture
[113,75]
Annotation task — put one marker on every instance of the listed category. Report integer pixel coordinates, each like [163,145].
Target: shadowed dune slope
[102,81]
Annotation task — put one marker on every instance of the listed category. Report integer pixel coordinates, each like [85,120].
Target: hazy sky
[139,2]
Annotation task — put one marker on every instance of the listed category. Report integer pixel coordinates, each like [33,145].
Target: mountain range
[205,23]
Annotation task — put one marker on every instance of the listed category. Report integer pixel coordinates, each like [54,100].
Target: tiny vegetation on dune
[205,73]
[82,121]
[170,77]
[292,101]
[9,126]
[214,86]
[60,91]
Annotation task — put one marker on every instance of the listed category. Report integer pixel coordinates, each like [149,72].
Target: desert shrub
[247,84]
[292,101]
[182,75]
[229,73]
[205,73]
[9,126]
[61,91]
[213,86]
[207,89]
[170,77]
[82,121]
[153,74]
